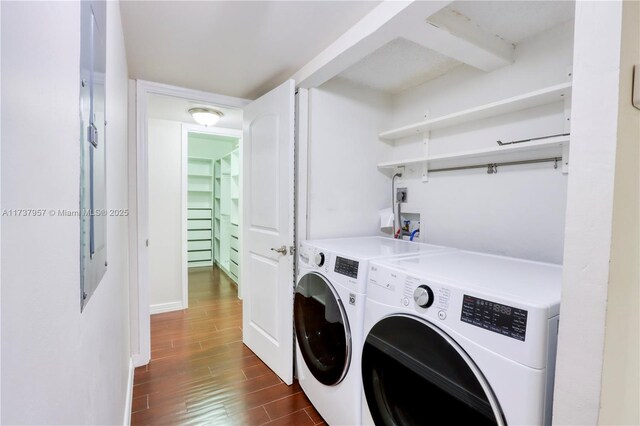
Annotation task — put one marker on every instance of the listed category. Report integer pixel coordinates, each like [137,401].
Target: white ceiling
[402,64]
[176,109]
[233,48]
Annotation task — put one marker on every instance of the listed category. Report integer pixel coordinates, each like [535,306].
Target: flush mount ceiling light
[205,116]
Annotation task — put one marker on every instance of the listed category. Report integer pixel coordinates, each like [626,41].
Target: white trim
[0,209]
[142,226]
[302,166]
[161,308]
[140,323]
[134,314]
[240,212]
[128,402]
[192,95]
[184,260]
[184,188]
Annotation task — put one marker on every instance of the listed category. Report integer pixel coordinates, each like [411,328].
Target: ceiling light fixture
[206,116]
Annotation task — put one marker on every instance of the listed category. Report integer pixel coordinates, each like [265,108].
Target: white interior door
[267,271]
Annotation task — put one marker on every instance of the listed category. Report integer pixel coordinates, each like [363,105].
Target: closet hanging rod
[492,167]
[532,139]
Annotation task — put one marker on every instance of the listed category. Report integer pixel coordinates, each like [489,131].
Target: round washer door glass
[414,374]
[322,329]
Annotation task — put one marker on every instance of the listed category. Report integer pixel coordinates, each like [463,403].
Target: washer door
[322,329]
[413,374]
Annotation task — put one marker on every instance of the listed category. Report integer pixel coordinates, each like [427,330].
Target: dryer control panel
[496,317]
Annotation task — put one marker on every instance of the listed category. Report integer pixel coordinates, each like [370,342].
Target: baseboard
[129,398]
[139,360]
[165,307]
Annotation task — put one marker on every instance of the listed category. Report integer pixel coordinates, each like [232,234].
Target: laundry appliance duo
[390,332]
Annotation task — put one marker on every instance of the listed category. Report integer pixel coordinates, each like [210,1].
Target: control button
[423,296]
[405,301]
[442,315]
[319,259]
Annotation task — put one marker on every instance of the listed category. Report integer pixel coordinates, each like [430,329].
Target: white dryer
[460,338]
[328,318]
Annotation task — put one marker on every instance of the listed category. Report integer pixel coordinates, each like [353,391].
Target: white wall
[345,188]
[165,214]
[59,366]
[520,210]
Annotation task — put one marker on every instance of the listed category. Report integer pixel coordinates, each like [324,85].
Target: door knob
[282,250]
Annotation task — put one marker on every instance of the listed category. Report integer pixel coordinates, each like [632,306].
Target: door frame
[215,131]
[139,189]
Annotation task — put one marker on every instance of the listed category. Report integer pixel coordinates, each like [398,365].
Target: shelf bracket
[567,124]
[565,158]
[426,136]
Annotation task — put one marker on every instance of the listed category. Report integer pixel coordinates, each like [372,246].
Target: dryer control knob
[319,259]
[423,296]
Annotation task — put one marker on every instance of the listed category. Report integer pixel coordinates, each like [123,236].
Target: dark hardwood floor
[201,372]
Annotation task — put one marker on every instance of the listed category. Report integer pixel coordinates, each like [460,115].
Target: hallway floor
[201,372]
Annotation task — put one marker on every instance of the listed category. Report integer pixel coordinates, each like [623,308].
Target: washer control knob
[319,259]
[423,296]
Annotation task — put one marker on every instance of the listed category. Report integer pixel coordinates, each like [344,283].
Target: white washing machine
[460,338]
[328,318]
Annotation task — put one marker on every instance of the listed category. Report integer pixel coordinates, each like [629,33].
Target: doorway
[160,239]
[194,197]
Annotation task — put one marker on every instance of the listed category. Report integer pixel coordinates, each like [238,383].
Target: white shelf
[533,99]
[547,148]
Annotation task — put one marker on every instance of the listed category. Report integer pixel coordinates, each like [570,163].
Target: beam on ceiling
[373,31]
[452,34]
[429,24]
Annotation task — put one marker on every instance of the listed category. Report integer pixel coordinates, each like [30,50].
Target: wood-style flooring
[201,372]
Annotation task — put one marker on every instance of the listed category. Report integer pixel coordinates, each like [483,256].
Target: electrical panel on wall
[93,202]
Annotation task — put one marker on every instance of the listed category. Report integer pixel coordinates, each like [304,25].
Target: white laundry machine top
[368,248]
[346,259]
[505,303]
